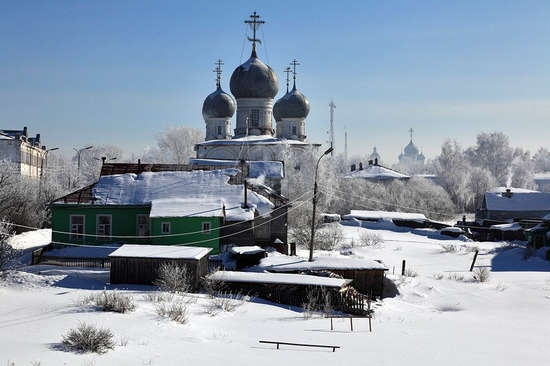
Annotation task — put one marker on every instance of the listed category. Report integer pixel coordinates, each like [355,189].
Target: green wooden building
[195,208]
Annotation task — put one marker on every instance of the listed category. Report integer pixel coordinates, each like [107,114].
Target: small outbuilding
[247,256]
[367,275]
[139,264]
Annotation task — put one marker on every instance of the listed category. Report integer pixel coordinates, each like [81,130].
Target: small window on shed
[206,227]
[165,228]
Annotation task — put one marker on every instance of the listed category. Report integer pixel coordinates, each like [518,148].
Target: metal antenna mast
[346,143]
[332,107]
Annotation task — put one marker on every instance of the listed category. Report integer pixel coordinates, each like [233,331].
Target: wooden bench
[301,345]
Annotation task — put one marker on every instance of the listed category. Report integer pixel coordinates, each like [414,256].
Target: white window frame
[77,235]
[206,227]
[165,227]
[104,227]
[143,229]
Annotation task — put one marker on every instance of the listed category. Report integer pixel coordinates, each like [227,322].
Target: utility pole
[332,107]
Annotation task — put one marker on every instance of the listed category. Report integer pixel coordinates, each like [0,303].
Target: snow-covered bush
[159,296]
[481,274]
[329,238]
[227,301]
[449,248]
[174,278]
[113,301]
[317,300]
[176,311]
[89,338]
[370,239]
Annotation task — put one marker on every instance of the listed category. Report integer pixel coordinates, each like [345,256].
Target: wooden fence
[39,257]
[318,298]
[73,261]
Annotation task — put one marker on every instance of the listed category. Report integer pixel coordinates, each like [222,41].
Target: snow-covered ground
[440,316]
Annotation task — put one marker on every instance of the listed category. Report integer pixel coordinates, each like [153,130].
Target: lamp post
[78,152]
[45,158]
[315,205]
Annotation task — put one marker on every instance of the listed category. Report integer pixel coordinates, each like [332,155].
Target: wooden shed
[295,289]
[367,275]
[139,264]
[247,256]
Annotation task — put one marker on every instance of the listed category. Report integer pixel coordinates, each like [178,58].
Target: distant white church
[254,86]
[411,154]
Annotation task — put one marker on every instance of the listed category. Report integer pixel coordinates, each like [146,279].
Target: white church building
[254,86]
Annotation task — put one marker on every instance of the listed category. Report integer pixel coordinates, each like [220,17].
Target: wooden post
[403,268]
[370,315]
[474,261]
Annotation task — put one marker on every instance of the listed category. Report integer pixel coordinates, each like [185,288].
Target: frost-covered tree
[480,181]
[541,160]
[22,203]
[522,170]
[453,173]
[175,145]
[298,186]
[494,153]
[91,161]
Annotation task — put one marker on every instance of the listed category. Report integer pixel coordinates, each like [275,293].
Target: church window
[255,117]
[294,130]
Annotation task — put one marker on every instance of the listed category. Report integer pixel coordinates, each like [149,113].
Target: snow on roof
[376,172]
[247,249]
[507,227]
[278,278]
[290,264]
[253,140]
[366,215]
[160,251]
[179,194]
[518,201]
[268,169]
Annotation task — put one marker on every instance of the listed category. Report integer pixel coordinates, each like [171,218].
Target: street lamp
[42,161]
[315,205]
[44,158]
[78,152]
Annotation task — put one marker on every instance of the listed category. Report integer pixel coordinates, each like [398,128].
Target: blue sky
[117,72]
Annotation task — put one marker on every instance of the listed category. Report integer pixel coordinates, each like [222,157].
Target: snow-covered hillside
[439,315]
